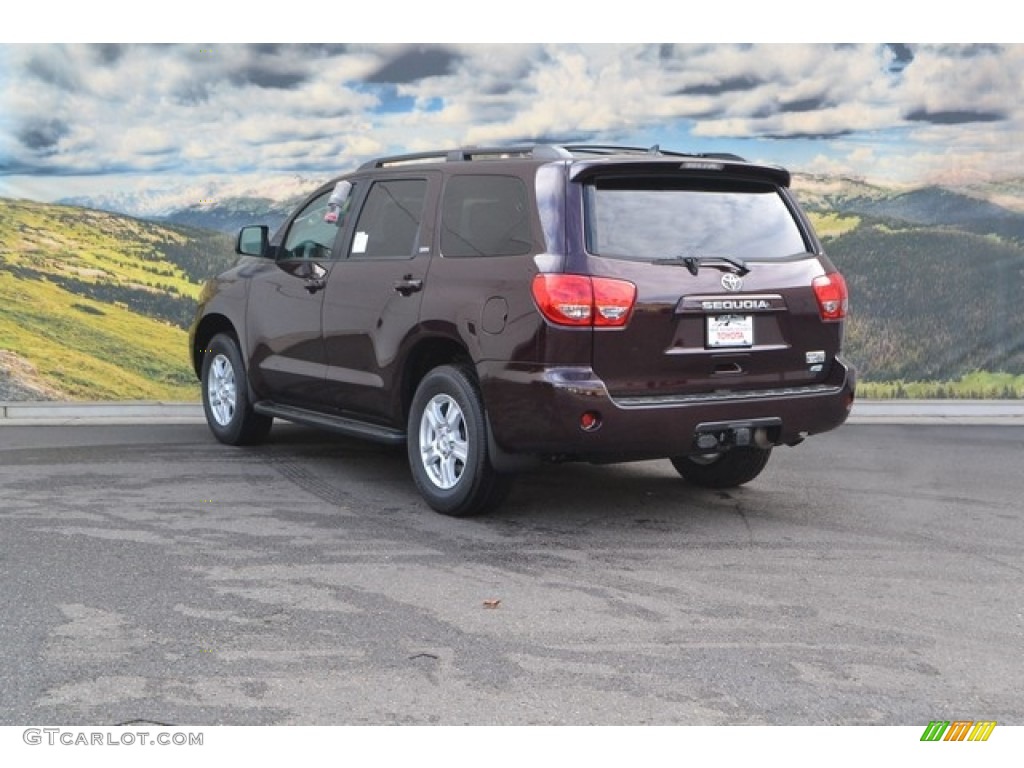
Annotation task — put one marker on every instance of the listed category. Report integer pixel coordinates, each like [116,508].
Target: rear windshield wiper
[694,263]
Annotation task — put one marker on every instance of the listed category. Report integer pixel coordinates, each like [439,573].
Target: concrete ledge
[127,412]
[952,412]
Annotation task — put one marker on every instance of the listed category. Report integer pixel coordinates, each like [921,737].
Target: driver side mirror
[253,241]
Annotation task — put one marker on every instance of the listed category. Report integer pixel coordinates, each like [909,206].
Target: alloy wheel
[444,443]
[221,390]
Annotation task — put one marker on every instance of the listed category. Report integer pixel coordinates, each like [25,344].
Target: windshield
[657,218]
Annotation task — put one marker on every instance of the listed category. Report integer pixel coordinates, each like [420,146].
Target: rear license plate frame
[729,331]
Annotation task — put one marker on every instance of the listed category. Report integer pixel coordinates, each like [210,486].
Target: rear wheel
[447,445]
[226,395]
[723,470]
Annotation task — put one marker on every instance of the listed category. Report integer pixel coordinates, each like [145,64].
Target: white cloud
[233,109]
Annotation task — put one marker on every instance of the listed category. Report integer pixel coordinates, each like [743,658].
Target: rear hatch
[732,293]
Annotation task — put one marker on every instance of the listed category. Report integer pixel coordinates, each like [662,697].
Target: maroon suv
[494,308]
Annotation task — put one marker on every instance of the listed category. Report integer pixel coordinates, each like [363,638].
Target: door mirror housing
[253,241]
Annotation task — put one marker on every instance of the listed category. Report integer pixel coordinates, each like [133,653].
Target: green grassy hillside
[94,305]
[933,305]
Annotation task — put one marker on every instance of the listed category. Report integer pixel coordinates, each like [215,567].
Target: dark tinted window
[309,236]
[485,216]
[667,218]
[389,222]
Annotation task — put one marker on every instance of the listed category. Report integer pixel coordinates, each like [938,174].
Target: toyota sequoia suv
[494,308]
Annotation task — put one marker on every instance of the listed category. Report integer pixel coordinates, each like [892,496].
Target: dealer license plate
[730,331]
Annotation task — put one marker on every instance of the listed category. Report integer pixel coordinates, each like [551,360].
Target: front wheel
[226,395]
[447,445]
[723,470]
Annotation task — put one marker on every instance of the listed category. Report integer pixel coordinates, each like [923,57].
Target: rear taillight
[580,300]
[613,301]
[833,298]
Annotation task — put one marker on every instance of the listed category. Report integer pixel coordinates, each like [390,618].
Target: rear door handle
[315,284]
[408,285]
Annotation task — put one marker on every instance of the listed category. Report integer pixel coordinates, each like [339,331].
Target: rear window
[658,218]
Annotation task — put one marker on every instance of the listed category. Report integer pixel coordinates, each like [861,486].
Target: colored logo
[958,730]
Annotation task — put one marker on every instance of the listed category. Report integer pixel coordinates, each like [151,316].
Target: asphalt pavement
[869,576]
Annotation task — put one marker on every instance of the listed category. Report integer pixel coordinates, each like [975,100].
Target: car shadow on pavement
[566,496]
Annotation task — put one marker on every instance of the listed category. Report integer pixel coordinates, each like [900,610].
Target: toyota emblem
[732,282]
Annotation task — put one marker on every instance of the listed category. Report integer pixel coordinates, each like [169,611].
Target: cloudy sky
[88,119]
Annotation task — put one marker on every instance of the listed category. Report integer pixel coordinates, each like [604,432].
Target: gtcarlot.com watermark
[73,737]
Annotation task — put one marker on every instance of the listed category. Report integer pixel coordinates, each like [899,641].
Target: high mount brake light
[832,295]
[579,300]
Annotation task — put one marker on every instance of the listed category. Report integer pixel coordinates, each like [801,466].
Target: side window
[310,237]
[389,222]
[485,216]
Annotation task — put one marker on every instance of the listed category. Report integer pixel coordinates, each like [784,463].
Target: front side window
[654,218]
[389,222]
[485,215]
[310,237]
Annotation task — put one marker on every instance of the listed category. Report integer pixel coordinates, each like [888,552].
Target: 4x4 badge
[732,282]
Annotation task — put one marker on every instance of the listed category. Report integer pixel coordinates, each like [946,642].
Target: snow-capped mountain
[226,204]
[212,196]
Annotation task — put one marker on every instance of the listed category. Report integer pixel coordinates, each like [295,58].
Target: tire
[447,445]
[226,395]
[724,470]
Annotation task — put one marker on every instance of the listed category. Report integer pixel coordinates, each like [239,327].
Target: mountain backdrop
[94,304]
[933,273]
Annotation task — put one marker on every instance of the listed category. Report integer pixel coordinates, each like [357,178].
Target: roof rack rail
[465,154]
[722,156]
[613,149]
[537,151]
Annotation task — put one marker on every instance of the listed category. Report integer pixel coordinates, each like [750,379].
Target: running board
[339,424]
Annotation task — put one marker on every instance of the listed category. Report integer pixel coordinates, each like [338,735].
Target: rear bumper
[536,411]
